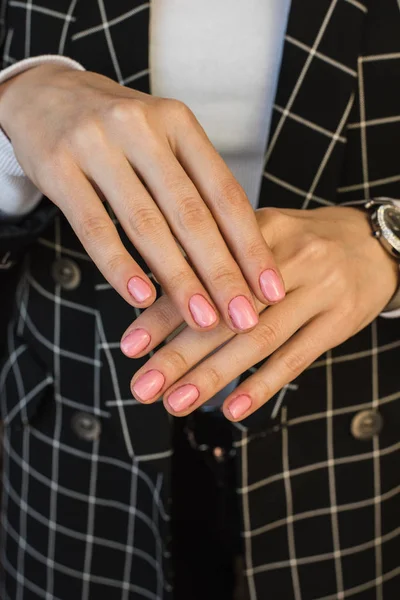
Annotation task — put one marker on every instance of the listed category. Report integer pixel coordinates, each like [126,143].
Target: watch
[384,217]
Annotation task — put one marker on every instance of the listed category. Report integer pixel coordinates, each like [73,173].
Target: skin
[83,139]
[338,279]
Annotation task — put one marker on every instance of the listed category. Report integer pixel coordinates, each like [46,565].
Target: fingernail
[242,313]
[183,397]
[202,311]
[135,342]
[239,406]
[139,289]
[148,385]
[271,286]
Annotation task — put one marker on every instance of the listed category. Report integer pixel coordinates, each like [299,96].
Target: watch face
[389,222]
[391,217]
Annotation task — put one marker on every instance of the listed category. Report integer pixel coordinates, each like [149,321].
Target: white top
[223,60]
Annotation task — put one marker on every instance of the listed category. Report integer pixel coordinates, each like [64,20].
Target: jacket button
[366,424]
[66,273]
[86,426]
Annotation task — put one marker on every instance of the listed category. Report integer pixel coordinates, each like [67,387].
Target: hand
[338,279]
[80,137]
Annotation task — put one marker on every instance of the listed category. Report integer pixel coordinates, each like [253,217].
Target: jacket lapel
[315,97]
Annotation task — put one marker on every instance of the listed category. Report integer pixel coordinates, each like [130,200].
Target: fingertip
[202,312]
[141,291]
[272,286]
[135,342]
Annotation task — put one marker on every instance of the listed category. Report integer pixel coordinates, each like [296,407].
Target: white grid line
[307,560]
[330,61]
[58,422]
[308,123]
[29,7]
[111,23]
[300,80]
[328,153]
[135,76]
[68,20]
[372,122]
[289,509]
[363,132]
[379,57]
[110,43]
[248,554]
[320,465]
[371,183]
[296,190]
[322,512]
[332,482]
[358,5]
[376,468]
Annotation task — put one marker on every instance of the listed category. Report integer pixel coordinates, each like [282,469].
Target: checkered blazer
[89,519]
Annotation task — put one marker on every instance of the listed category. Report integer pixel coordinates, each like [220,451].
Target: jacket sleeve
[16,235]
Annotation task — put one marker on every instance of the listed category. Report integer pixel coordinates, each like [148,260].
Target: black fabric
[319,508]
[206,521]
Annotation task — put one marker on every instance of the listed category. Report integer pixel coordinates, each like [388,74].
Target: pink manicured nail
[148,385]
[135,342]
[202,312]
[139,289]
[183,397]
[242,313]
[271,286]
[239,406]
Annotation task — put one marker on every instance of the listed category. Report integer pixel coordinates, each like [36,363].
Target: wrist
[16,80]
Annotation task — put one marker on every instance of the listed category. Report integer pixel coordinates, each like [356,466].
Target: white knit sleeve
[18,195]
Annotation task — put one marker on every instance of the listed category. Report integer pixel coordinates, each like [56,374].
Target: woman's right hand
[82,138]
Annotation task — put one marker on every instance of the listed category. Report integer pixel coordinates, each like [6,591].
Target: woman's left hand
[338,279]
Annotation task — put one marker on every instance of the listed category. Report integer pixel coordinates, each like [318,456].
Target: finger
[196,230]
[173,362]
[233,213]
[161,322]
[85,212]
[163,319]
[148,331]
[148,230]
[282,367]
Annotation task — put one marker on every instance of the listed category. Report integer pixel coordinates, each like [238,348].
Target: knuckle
[266,335]
[178,280]
[93,228]
[231,197]
[260,389]
[213,378]
[254,250]
[295,363]
[222,277]
[316,248]
[273,214]
[164,315]
[179,109]
[114,262]
[127,112]
[88,134]
[144,222]
[174,361]
[191,215]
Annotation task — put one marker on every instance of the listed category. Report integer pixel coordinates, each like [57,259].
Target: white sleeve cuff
[18,195]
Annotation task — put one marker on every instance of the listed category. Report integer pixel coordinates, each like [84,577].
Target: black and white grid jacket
[87,497]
